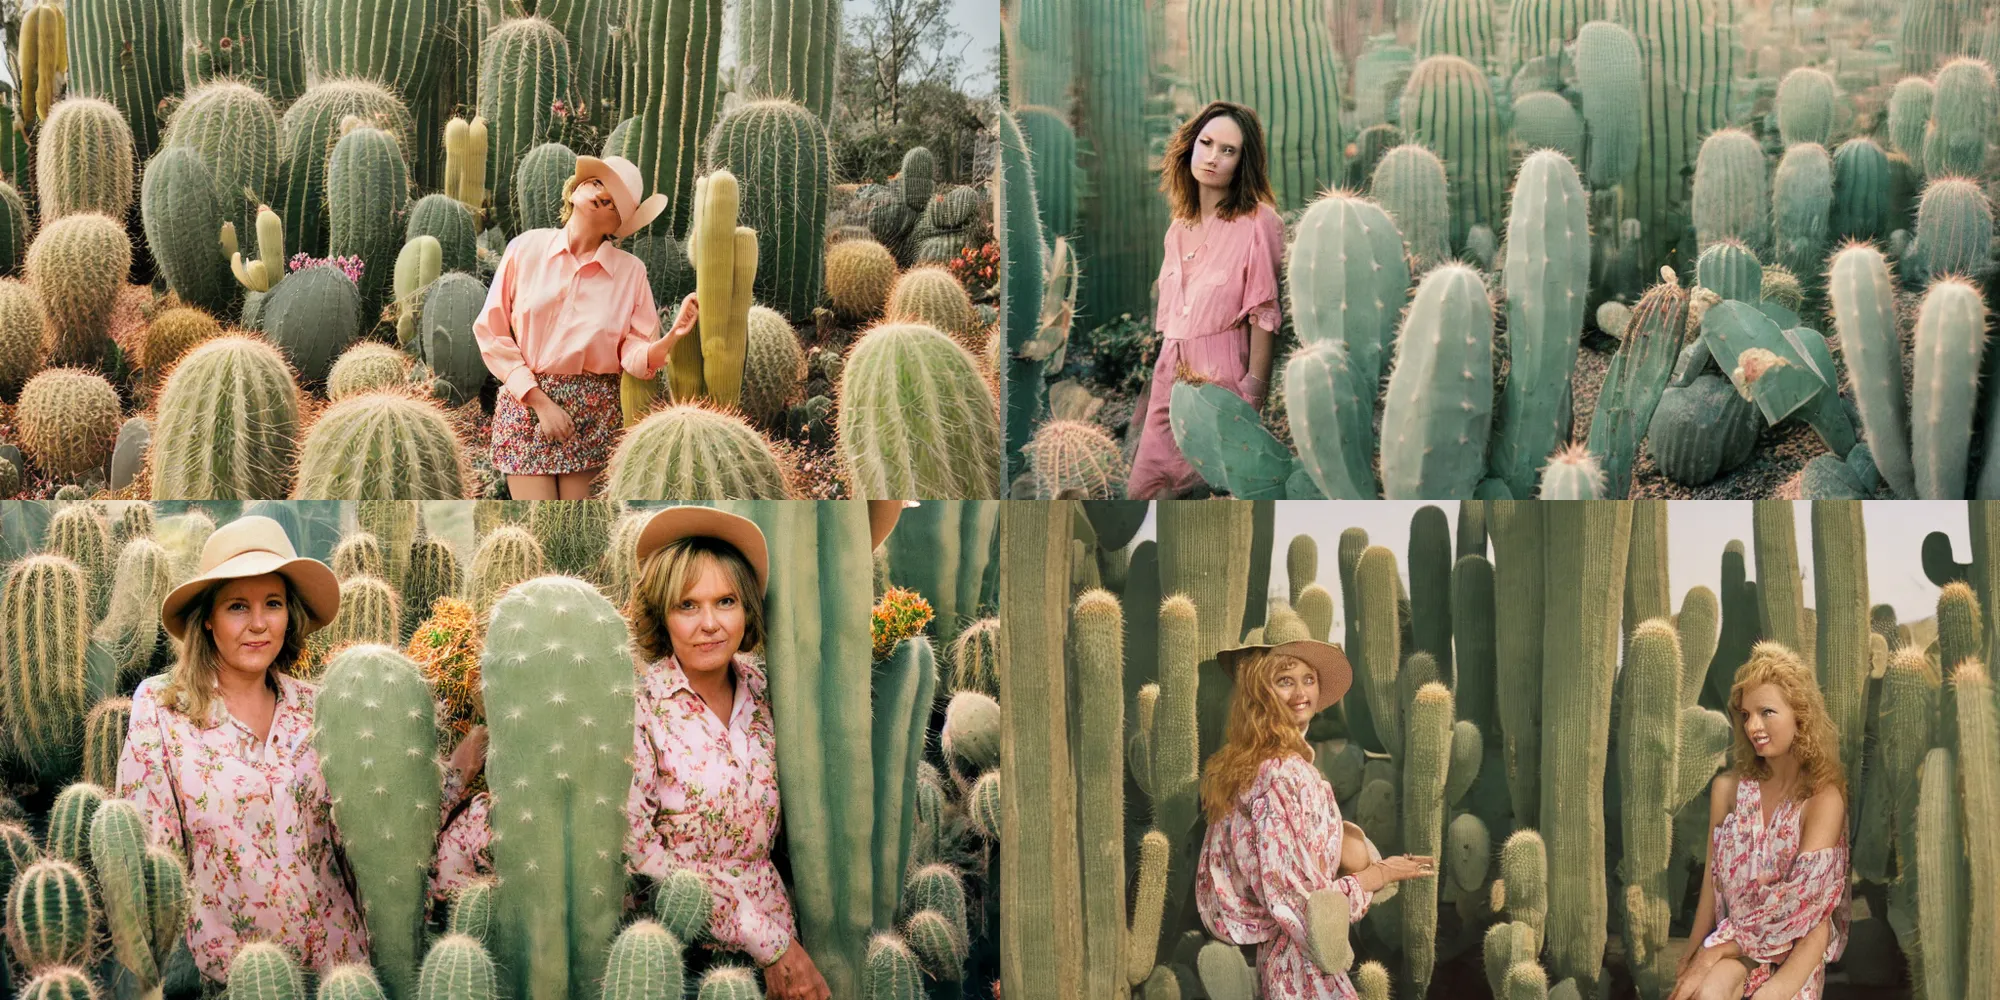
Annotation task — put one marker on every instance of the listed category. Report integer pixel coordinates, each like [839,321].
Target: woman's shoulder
[1289,776]
[147,694]
[1722,795]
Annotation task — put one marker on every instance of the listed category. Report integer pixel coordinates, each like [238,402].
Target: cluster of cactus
[893,217]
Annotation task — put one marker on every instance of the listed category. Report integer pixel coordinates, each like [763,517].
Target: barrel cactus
[21,337]
[458,967]
[448,221]
[312,316]
[51,918]
[222,38]
[859,274]
[310,128]
[367,195]
[692,452]
[264,970]
[932,296]
[179,205]
[1806,103]
[445,337]
[1409,184]
[228,423]
[1962,111]
[67,420]
[1076,457]
[527,87]
[78,265]
[380,446]
[1954,232]
[774,367]
[644,963]
[1731,199]
[367,367]
[506,556]
[917,419]
[83,160]
[233,129]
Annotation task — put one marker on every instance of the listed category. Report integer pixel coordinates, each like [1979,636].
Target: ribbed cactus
[1648,763]
[445,338]
[179,206]
[104,739]
[859,274]
[78,265]
[69,822]
[1425,757]
[264,268]
[227,423]
[1801,201]
[350,981]
[671,89]
[1610,76]
[131,632]
[556,664]
[1461,28]
[83,160]
[1524,875]
[376,734]
[1546,274]
[367,195]
[368,366]
[728,982]
[1954,232]
[1962,109]
[310,128]
[1909,113]
[1806,100]
[247,42]
[78,533]
[1978,761]
[370,612]
[358,554]
[1730,193]
[1862,297]
[313,316]
[1943,878]
[527,90]
[457,967]
[472,910]
[917,419]
[44,53]
[465,148]
[507,555]
[1864,206]
[682,904]
[127,52]
[573,533]
[67,421]
[60,982]
[893,973]
[433,573]
[1439,406]
[1546,120]
[1948,342]
[21,338]
[644,963]
[1448,107]
[1638,375]
[779,152]
[45,674]
[693,452]
[51,919]
[774,367]
[263,970]
[1023,256]
[234,130]
[448,221]
[1070,455]
[932,296]
[396,524]
[380,446]
[118,855]
[391,41]
[418,265]
[1296,92]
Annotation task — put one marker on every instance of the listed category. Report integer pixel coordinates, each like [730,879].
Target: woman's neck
[1211,201]
[1784,771]
[582,245]
[237,682]
[716,685]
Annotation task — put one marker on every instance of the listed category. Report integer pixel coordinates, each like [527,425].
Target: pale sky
[1697,530]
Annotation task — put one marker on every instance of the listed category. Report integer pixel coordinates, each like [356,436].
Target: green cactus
[472,910]
[1053,144]
[448,221]
[444,336]
[230,412]
[380,446]
[313,316]
[367,193]
[1610,77]
[506,556]
[1648,766]
[1943,876]
[393,41]
[1978,761]
[84,161]
[310,128]
[1023,256]
[458,967]
[1448,107]
[683,904]
[779,150]
[927,428]
[1954,231]
[1730,193]
[1730,270]
[1120,210]
[69,822]
[1909,112]
[1296,92]
[1965,100]
[67,421]
[46,672]
[126,51]
[370,612]
[178,205]
[574,534]
[358,554]
[1547,249]
[226,38]
[1805,107]
[1461,28]
[774,367]
[350,981]
[77,266]
[263,970]
[79,533]
[932,296]
[1424,761]
[21,335]
[418,265]
[644,963]
[368,366]
[60,982]
[1864,206]
[51,918]
[859,275]
[1067,455]
[104,739]
[1950,329]
[1801,201]
[234,130]
[433,573]
[1524,877]
[1638,375]
[118,855]
[690,451]
[1438,407]
[671,89]
[729,982]
[395,524]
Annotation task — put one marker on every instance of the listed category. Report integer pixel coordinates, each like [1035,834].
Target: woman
[568,311]
[1275,835]
[1774,902]
[1218,286]
[219,757]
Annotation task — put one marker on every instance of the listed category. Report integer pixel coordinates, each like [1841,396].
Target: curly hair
[1260,728]
[190,685]
[569,209]
[1251,183]
[1817,744]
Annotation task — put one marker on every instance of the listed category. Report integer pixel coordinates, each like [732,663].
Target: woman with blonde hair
[1275,835]
[567,313]
[1218,286]
[1774,901]
[218,755]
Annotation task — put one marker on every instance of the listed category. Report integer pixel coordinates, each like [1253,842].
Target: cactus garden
[243,245]
[1698,248]
[507,614]
[1535,704]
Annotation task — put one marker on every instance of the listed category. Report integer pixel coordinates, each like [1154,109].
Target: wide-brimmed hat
[1329,660]
[671,524]
[623,183]
[253,546]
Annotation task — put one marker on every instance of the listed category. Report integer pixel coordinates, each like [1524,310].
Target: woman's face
[249,621]
[1298,687]
[1217,147]
[1768,721]
[707,625]
[591,206]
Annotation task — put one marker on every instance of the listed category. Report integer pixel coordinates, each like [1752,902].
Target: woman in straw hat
[1275,835]
[569,311]
[218,756]
[1775,895]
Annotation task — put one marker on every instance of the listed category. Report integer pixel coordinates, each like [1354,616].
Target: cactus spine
[670,88]
[1730,199]
[84,160]
[1448,107]
[50,916]
[918,419]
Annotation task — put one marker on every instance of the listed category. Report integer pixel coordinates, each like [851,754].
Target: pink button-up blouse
[1234,275]
[252,820]
[548,314]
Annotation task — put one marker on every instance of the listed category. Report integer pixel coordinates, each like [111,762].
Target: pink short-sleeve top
[1231,276]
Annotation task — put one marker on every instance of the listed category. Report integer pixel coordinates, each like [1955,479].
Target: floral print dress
[705,797]
[1260,863]
[1769,894]
[465,843]
[252,819]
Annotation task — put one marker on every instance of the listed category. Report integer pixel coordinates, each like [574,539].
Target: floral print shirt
[1769,894]
[252,819]
[465,844]
[1260,863]
[705,797]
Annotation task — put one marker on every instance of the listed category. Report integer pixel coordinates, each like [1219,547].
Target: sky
[1696,534]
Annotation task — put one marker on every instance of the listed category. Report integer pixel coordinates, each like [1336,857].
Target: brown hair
[1251,183]
[1260,728]
[1817,744]
[668,574]
[568,209]
[191,682]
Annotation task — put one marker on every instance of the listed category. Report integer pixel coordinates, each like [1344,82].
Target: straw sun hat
[671,524]
[254,546]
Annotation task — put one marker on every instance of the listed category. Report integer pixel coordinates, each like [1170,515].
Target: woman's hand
[469,757]
[1695,964]
[684,321]
[554,421]
[793,976]
[1400,868]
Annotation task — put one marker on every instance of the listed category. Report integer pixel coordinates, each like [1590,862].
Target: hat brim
[1336,675]
[318,588]
[634,214]
[882,517]
[642,216]
[675,523]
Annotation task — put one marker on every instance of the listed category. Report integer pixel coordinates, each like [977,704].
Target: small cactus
[644,963]
[51,918]
[78,265]
[264,971]
[382,446]
[859,275]
[682,903]
[1076,455]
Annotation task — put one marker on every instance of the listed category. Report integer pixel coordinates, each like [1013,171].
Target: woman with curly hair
[1218,287]
[1774,902]
[1275,835]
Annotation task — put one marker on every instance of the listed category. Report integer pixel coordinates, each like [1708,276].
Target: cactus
[78,533]
[457,967]
[131,631]
[1909,112]
[227,423]
[311,127]
[1426,754]
[465,166]
[224,38]
[50,673]
[1648,763]
[367,193]
[264,970]
[392,41]
[118,855]
[1730,196]
[366,367]
[542,693]
[376,735]
[1948,342]
[1070,455]
[1448,107]
[432,574]
[471,910]
[507,555]
[1023,259]
[104,739]
[1573,474]
[1438,407]
[1942,873]
[644,963]
[172,334]
[313,316]
[50,915]
[77,265]
[127,51]
[671,91]
[728,982]
[774,367]
[779,150]
[21,335]
[1610,76]
[859,275]
[417,268]
[350,981]
[1965,100]
[1863,206]
[1801,200]
[268,267]
[83,160]
[1863,304]
[1978,762]
[573,533]
[693,452]
[931,296]
[1637,377]
[445,337]
[67,420]
[917,418]
[1954,231]
[1805,106]
[60,982]
[44,53]
[380,446]
[1296,93]
[69,822]
[1456,27]
[1548,247]
[451,224]
[683,904]
[233,130]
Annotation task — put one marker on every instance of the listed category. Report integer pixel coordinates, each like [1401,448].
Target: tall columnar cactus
[1584,580]
[179,207]
[1801,202]
[917,420]
[670,88]
[1909,113]
[1409,183]
[246,42]
[1948,343]
[128,52]
[1347,281]
[1462,28]
[1546,276]
[1448,107]
[453,225]
[715,245]
[693,452]
[1017,230]
[1840,601]
[1730,199]
[1648,768]
[557,673]
[1424,758]
[465,147]
[1863,303]
[782,51]
[944,552]
[1961,111]
[234,129]
[310,129]
[1633,385]
[78,533]
[1864,206]
[45,683]
[118,855]
[1121,210]
[380,446]
[433,573]
[1100,776]
[527,88]
[227,423]
[266,267]
[367,194]
[1053,144]
[51,917]
[84,160]
[15,229]
[573,533]
[1978,761]
[1438,410]
[376,734]
[445,338]
[104,738]
[393,42]
[1541,29]
[1610,76]
[77,265]
[1296,91]
[1954,231]
[1806,100]
[1379,650]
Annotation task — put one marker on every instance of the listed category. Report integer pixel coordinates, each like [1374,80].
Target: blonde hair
[190,686]
[568,209]
[1260,728]
[669,573]
[1817,744]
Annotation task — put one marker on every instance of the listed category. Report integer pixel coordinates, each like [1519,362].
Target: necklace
[1204,240]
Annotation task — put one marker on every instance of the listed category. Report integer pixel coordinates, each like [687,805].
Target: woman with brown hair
[1218,286]
[1774,901]
[1275,835]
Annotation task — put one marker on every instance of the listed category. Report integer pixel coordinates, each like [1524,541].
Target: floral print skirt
[593,406]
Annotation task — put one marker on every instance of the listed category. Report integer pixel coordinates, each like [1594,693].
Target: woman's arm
[1721,799]
[1283,826]
[645,850]
[1259,378]
[494,332]
[1799,966]
[658,351]
[143,772]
